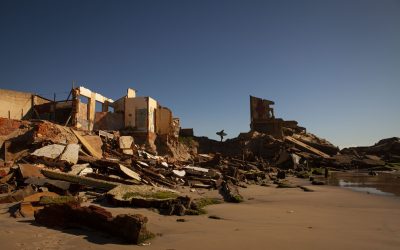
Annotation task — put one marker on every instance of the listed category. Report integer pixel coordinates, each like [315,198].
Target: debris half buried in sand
[230,192]
[167,201]
[129,227]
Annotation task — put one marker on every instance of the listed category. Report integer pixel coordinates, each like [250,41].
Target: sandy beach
[270,218]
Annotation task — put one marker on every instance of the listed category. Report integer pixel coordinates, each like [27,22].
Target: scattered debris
[135,157]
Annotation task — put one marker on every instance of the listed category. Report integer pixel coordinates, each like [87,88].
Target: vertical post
[91,110]
[75,107]
[9,114]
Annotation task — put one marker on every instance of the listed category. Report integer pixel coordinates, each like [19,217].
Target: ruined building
[143,116]
[263,119]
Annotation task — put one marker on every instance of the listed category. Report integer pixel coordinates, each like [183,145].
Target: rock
[214,217]
[315,182]
[281,174]
[180,173]
[29,170]
[125,142]
[130,227]
[50,151]
[306,189]
[230,193]
[285,185]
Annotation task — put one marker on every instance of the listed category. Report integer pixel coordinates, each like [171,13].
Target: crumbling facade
[263,119]
[143,116]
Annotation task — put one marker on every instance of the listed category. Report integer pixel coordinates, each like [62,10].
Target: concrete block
[50,151]
[125,142]
[71,153]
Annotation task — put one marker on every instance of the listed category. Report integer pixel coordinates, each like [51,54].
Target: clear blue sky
[334,66]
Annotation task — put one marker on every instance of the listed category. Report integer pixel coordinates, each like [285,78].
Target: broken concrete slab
[77,168]
[86,171]
[86,181]
[71,153]
[196,170]
[51,184]
[88,146]
[306,147]
[130,227]
[50,151]
[29,170]
[29,204]
[180,173]
[129,172]
[125,142]
[168,201]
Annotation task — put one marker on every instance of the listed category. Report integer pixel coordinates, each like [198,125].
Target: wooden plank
[87,145]
[307,147]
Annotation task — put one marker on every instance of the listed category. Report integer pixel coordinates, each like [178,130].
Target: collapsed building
[57,154]
[144,117]
[263,119]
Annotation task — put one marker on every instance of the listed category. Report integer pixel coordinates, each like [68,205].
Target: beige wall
[81,116]
[152,114]
[131,107]
[37,100]
[17,104]
[140,113]
[163,121]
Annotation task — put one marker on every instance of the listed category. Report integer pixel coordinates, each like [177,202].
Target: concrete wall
[108,121]
[133,108]
[37,100]
[152,114]
[81,116]
[119,105]
[140,113]
[163,121]
[15,104]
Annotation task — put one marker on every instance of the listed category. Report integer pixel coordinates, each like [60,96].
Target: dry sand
[270,218]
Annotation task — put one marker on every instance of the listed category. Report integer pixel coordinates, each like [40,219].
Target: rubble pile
[49,169]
